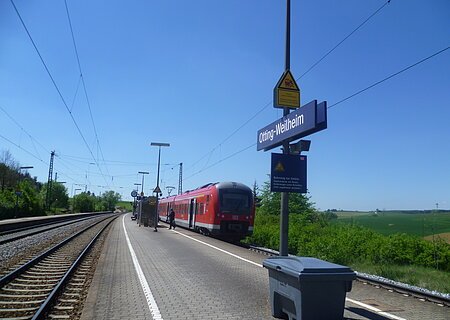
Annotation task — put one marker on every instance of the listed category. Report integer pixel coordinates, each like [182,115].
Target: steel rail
[32,233]
[10,276]
[46,305]
[386,284]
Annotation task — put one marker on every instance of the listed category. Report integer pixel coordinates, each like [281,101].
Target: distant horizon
[98,84]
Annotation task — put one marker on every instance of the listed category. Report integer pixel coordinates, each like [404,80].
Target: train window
[233,202]
[201,209]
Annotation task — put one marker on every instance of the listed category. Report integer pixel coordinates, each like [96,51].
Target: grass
[126,205]
[430,279]
[419,224]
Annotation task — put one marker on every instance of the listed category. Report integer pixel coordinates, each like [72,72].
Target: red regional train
[222,209]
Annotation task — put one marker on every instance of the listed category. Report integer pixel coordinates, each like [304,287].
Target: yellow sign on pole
[287,92]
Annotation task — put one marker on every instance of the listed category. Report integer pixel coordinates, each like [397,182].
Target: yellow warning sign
[288,98]
[287,92]
[279,167]
[287,81]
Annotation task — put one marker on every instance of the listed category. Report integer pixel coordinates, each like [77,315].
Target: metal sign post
[284,210]
[304,121]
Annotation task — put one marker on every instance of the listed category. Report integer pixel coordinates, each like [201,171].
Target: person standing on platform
[171,219]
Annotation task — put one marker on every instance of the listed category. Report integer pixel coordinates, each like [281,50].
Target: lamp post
[139,211]
[169,189]
[142,188]
[158,189]
[142,195]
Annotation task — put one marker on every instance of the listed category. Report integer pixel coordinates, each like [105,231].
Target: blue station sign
[288,173]
[304,121]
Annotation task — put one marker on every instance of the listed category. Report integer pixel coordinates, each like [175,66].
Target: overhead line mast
[49,181]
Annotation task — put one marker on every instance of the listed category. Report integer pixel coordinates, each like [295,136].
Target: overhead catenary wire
[342,41]
[33,139]
[389,77]
[334,104]
[84,87]
[221,160]
[23,149]
[26,132]
[306,72]
[55,85]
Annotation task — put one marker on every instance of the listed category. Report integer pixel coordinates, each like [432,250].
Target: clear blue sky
[191,73]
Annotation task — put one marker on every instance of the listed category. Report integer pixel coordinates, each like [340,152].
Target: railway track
[49,285]
[380,282]
[13,235]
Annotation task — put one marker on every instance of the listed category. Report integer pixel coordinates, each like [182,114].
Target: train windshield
[235,202]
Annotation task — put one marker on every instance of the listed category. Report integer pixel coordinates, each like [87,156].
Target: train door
[168,206]
[192,209]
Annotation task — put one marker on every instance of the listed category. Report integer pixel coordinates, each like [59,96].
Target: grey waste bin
[306,288]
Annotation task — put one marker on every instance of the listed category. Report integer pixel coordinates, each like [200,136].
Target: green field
[417,223]
[125,204]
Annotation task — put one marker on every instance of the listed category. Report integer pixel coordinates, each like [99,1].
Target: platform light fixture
[157,190]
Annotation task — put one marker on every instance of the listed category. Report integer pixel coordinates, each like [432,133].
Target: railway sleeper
[23,278]
[23,296]
[68,300]
[63,308]
[53,269]
[32,291]
[32,285]
[54,274]
[13,303]
[71,294]
[58,316]
[16,310]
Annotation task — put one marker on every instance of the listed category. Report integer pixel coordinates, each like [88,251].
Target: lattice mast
[49,181]
[180,179]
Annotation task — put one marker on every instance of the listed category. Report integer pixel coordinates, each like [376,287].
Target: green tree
[59,196]
[19,193]
[108,200]
[30,201]
[84,202]
[270,203]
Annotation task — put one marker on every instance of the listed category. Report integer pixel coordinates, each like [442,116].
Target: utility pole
[180,179]
[284,217]
[49,181]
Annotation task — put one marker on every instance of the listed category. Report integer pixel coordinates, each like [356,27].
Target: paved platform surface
[184,275]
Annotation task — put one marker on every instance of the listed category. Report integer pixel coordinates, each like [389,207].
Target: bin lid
[304,267]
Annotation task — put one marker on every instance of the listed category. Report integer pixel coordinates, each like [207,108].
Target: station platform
[179,274]
[174,276]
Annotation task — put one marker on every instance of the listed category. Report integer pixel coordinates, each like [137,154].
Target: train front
[236,210]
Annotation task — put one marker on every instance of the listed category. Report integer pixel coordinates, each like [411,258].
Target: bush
[347,244]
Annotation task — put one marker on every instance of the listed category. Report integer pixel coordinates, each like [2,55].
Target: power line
[84,87]
[221,160]
[341,101]
[30,153]
[232,134]
[32,140]
[342,41]
[27,133]
[109,161]
[307,71]
[54,83]
[389,77]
